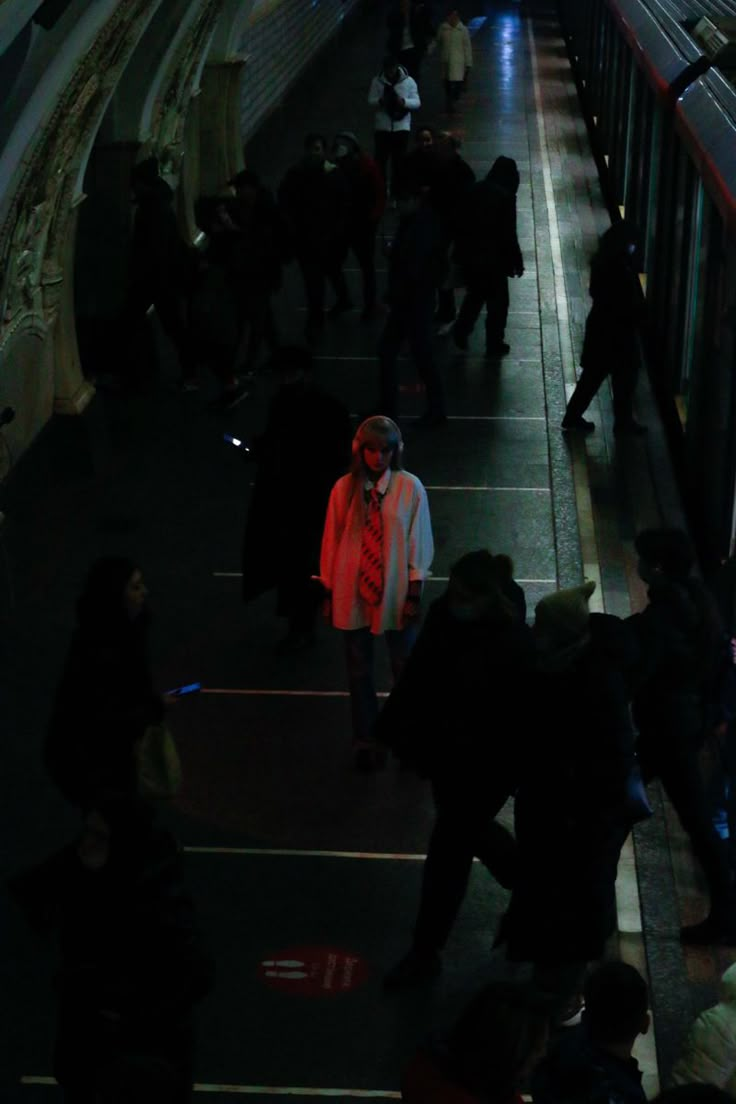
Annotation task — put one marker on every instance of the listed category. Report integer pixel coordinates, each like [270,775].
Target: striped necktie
[371,552]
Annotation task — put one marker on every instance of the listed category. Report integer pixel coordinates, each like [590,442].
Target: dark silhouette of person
[133,962]
[411,30]
[162,268]
[570,809]
[417,265]
[313,199]
[366,204]
[474,654]
[488,1054]
[106,698]
[304,449]
[487,251]
[451,183]
[680,637]
[592,1063]
[610,346]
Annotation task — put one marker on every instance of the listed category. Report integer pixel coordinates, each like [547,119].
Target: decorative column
[72,392]
[220,143]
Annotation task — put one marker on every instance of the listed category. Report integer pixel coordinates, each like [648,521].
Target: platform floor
[286,847]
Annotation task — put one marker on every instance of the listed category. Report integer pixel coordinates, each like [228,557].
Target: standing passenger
[366,203]
[410,33]
[395,95]
[377,549]
[456,54]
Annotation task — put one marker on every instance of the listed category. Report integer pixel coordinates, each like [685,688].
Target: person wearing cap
[395,95]
[377,549]
[281,546]
[366,203]
[679,634]
[473,658]
[571,815]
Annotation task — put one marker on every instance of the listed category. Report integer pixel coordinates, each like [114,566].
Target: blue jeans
[359,660]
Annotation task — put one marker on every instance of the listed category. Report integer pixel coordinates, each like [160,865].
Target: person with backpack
[395,95]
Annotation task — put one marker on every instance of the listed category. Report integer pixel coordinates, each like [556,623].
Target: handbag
[158,766]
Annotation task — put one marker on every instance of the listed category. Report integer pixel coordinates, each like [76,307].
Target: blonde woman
[456,55]
[377,549]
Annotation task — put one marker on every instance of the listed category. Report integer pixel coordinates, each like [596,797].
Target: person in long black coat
[570,811]
[452,717]
[304,449]
[610,345]
[487,250]
[106,698]
[680,637]
[411,31]
[133,960]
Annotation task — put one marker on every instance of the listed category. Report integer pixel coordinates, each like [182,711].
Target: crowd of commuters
[603,697]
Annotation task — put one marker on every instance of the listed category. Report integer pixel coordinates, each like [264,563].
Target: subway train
[657,81]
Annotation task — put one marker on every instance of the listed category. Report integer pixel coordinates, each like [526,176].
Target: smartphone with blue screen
[235,441]
[181,691]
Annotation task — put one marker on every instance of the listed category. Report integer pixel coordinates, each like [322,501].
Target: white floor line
[454,487]
[628,903]
[429,579]
[261,1090]
[477,417]
[253,692]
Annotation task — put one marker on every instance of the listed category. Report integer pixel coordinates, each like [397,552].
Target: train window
[693,302]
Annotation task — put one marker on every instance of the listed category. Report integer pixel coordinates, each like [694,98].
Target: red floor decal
[313,971]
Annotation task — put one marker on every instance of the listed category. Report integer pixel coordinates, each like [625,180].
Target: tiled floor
[287,847]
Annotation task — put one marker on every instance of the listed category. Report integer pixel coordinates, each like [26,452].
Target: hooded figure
[709,1053]
[487,250]
[106,698]
[571,801]
[395,95]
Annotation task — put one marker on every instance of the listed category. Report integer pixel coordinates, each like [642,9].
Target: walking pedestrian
[610,345]
[487,250]
[395,95]
[366,203]
[377,549]
[680,637]
[473,659]
[313,199]
[411,33]
[456,55]
[417,265]
[282,543]
[451,185]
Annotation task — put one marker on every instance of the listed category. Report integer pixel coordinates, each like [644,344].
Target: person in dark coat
[162,268]
[281,547]
[313,200]
[592,1063]
[106,698]
[487,251]
[417,265]
[366,204]
[473,657]
[411,32]
[680,636]
[570,809]
[488,1054]
[133,962]
[451,185]
[610,346]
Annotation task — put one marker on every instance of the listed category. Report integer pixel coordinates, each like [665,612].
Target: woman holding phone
[377,549]
[106,698]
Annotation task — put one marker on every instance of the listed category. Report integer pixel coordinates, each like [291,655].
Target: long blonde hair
[377,428]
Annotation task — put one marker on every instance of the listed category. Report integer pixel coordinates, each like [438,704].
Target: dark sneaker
[461,340]
[629,429]
[711,932]
[577,425]
[413,969]
[493,352]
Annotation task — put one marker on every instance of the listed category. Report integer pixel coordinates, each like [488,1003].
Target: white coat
[406,87]
[709,1053]
[456,51]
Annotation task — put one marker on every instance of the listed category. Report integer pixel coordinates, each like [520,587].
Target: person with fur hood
[709,1054]
[395,95]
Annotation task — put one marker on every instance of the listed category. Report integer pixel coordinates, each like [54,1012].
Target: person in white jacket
[377,549]
[709,1053]
[395,95]
[456,55]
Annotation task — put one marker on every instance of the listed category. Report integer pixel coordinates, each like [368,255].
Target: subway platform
[293,857]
